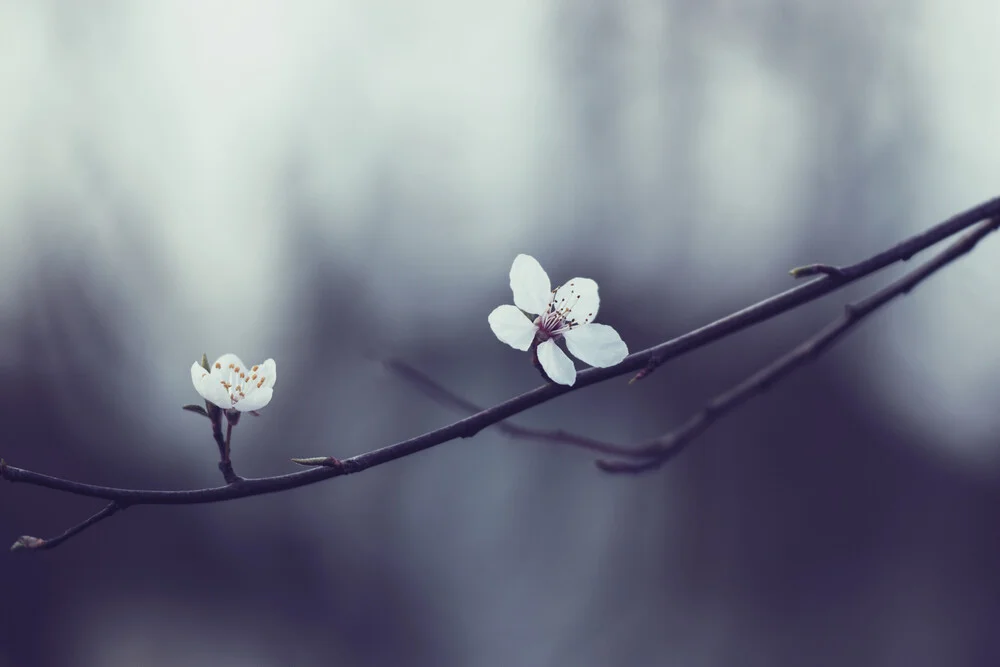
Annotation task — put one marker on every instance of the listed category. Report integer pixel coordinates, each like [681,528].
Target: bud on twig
[27,542]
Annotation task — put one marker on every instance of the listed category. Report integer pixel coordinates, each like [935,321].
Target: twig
[646,361]
[38,544]
[814,289]
[449,399]
[225,463]
[670,445]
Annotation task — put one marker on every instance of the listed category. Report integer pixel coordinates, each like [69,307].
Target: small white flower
[565,312]
[232,385]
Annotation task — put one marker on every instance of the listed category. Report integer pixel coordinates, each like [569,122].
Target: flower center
[242,381]
[559,317]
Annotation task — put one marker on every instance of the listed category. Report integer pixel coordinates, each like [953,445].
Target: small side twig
[38,544]
[670,445]
[817,269]
[449,399]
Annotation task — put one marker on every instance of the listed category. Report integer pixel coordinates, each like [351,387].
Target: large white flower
[232,385]
[566,312]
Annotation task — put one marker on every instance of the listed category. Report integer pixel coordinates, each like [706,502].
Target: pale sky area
[219,107]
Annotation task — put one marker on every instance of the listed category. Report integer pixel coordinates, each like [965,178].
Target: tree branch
[452,400]
[670,445]
[38,544]
[814,289]
[644,361]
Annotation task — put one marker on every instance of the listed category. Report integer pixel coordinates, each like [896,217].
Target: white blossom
[232,385]
[566,312]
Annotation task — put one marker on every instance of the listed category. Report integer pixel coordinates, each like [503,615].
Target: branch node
[654,361]
[852,312]
[226,467]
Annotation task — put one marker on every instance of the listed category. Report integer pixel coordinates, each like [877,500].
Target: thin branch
[38,544]
[646,360]
[452,400]
[225,463]
[670,445]
[813,289]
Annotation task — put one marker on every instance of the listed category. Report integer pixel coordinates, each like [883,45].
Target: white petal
[580,300]
[223,363]
[596,344]
[512,327]
[255,400]
[556,364]
[218,395]
[197,373]
[530,285]
[210,386]
[266,371]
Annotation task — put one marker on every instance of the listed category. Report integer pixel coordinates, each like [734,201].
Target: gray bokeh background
[335,183]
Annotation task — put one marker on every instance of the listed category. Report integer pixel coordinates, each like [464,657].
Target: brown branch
[38,544]
[670,445]
[452,400]
[644,361]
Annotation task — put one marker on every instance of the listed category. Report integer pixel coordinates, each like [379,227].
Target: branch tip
[324,461]
[27,542]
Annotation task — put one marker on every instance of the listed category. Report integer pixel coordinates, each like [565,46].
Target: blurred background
[332,184]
